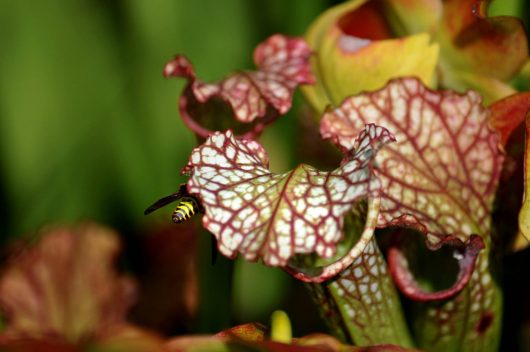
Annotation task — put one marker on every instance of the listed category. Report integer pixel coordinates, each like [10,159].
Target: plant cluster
[418,97]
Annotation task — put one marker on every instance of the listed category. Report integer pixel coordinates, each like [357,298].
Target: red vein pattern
[283,64]
[260,214]
[365,299]
[442,172]
[440,177]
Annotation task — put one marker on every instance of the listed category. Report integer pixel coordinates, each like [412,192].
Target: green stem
[361,304]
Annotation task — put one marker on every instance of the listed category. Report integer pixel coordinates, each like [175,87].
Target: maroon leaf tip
[180,66]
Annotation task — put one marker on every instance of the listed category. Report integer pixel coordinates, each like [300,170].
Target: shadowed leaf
[64,294]
[523,238]
[168,280]
[466,254]
[414,16]
[507,114]
[66,285]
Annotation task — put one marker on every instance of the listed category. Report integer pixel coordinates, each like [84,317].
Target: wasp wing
[164,201]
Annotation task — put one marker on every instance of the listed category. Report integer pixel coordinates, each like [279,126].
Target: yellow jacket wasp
[187,205]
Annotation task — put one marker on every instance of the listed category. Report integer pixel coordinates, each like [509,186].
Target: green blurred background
[89,129]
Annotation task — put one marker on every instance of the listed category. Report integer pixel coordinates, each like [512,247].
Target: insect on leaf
[186,205]
[275,216]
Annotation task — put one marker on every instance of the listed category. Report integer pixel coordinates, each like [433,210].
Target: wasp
[187,205]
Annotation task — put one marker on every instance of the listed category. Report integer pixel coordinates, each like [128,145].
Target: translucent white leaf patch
[274,216]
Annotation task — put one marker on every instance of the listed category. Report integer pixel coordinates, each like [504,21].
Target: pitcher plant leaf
[282,64]
[274,216]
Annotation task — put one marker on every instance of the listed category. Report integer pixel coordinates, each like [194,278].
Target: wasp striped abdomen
[186,208]
[187,205]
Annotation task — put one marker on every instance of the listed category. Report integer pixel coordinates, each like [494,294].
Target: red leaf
[248,332]
[66,286]
[508,113]
[261,214]
[507,116]
[283,64]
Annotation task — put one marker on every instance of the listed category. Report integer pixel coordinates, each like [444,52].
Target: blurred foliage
[89,129]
